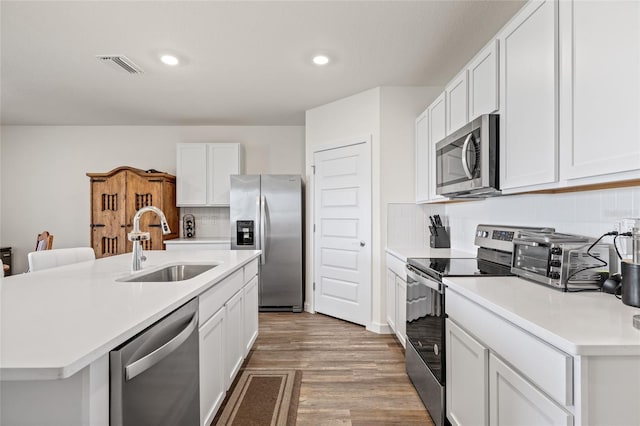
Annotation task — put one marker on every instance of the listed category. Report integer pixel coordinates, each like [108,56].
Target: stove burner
[439,267]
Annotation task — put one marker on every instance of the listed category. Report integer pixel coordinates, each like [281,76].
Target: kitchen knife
[437,219]
[434,227]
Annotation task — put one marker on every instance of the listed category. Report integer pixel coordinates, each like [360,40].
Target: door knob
[362,244]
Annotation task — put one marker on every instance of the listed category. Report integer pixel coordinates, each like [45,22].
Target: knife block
[439,237]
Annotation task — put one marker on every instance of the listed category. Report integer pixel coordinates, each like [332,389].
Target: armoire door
[108,215]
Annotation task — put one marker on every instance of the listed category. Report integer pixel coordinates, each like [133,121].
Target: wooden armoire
[116,196]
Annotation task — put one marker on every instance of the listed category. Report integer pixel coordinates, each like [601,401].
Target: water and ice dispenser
[245,232]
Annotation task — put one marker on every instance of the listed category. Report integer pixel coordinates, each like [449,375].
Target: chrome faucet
[136,236]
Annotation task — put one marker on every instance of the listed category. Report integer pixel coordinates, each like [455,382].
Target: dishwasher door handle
[145,363]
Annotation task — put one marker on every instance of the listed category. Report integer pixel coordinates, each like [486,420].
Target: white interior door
[342,238]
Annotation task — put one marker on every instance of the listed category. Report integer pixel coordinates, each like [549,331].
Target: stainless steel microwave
[467,160]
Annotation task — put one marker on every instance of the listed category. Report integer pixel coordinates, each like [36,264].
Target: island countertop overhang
[55,322]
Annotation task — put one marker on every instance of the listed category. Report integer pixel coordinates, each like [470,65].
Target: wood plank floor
[350,376]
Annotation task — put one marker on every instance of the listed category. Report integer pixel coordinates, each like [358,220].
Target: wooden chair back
[44,241]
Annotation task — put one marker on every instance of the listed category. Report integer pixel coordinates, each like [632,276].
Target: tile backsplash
[406,223]
[210,221]
[590,213]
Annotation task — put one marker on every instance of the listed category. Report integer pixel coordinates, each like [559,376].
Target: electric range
[425,349]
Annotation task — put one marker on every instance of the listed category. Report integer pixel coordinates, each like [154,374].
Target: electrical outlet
[627,225]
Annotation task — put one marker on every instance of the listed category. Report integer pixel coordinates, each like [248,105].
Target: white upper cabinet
[483,81]
[437,131]
[457,102]
[528,97]
[203,170]
[422,158]
[600,88]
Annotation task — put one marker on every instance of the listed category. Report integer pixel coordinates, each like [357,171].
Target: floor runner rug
[263,397]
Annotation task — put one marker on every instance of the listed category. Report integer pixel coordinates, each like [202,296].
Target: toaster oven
[564,261]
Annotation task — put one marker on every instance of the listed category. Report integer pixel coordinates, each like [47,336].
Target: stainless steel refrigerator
[266,214]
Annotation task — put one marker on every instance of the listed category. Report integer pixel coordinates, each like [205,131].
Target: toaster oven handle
[526,243]
[465,164]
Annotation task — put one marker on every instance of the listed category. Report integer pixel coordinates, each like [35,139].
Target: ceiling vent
[120,62]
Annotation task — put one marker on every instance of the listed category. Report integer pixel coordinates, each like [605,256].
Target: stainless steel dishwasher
[154,376]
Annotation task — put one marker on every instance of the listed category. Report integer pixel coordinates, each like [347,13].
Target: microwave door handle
[465,165]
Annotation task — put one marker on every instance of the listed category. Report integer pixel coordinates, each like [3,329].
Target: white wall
[43,181]
[387,114]
[346,118]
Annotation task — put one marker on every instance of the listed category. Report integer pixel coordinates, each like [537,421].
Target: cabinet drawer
[215,298]
[544,365]
[397,266]
[250,270]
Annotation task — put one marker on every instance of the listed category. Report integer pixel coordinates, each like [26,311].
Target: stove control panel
[500,237]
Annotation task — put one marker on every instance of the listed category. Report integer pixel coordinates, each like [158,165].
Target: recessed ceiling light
[321,60]
[169,60]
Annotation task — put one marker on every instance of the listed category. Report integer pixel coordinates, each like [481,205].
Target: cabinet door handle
[97,225]
[155,225]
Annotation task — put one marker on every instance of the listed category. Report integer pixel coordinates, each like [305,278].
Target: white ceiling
[244,63]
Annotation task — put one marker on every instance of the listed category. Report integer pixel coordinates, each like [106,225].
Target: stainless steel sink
[170,274]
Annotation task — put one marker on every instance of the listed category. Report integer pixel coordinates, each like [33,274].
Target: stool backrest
[45,259]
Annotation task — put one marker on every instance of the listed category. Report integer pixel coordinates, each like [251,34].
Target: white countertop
[403,253]
[55,322]
[584,323]
[199,240]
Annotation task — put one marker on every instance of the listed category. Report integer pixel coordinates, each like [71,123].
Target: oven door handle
[416,276]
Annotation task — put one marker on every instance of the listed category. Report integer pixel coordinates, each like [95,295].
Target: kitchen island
[57,327]
[531,354]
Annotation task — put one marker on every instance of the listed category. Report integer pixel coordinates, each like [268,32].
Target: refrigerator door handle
[263,244]
[257,231]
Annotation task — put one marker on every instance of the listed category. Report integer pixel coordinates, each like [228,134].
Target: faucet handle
[139,236]
[143,258]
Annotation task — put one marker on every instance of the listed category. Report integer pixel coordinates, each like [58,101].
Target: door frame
[342,143]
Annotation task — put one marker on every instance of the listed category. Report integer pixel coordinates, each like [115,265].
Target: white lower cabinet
[466,388]
[498,374]
[234,336]
[401,310]
[397,297]
[212,372]
[228,329]
[391,299]
[250,314]
[515,401]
